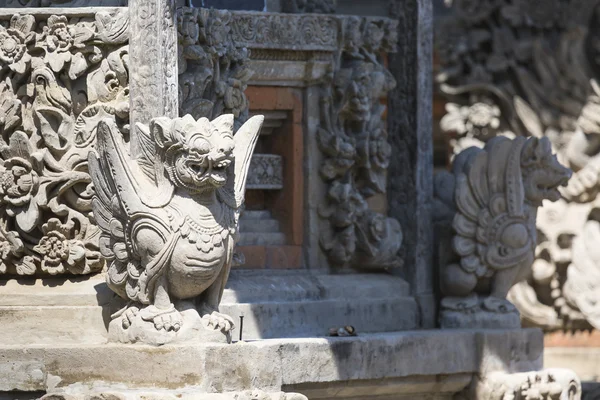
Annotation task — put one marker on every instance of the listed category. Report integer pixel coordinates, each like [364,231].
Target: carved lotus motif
[13,43]
[59,252]
[59,38]
[19,179]
[11,253]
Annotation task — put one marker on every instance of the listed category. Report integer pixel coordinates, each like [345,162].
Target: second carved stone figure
[491,200]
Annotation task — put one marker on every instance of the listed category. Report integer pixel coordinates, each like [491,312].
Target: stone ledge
[274,304]
[271,365]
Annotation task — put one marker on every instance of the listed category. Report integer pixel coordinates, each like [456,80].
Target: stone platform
[276,304]
[370,366]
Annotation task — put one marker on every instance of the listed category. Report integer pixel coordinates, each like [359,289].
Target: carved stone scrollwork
[58,77]
[549,384]
[520,68]
[353,139]
[490,200]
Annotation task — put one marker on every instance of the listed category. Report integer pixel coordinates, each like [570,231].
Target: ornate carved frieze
[59,75]
[353,139]
[490,201]
[520,68]
[281,31]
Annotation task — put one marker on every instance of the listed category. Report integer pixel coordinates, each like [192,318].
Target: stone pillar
[410,182]
[153,62]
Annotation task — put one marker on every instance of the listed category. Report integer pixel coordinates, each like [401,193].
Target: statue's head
[196,153]
[542,173]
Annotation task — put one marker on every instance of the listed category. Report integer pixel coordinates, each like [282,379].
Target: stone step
[256,214]
[308,305]
[262,239]
[274,304]
[259,226]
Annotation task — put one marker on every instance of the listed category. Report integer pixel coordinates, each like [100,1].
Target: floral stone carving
[169,222]
[353,139]
[213,71]
[518,68]
[548,384]
[58,75]
[491,198]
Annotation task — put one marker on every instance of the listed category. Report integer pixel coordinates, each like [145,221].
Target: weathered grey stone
[410,186]
[491,198]
[153,85]
[299,305]
[270,364]
[260,226]
[265,239]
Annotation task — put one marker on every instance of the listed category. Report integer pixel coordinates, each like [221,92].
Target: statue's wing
[471,195]
[245,140]
[582,287]
[119,210]
[489,199]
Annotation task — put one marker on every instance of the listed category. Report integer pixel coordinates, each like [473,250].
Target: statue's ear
[544,147]
[224,124]
[161,129]
[529,148]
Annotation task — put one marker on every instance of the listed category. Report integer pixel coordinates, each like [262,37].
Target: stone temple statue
[492,196]
[169,222]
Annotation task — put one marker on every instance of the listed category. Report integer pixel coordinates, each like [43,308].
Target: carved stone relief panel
[519,68]
[59,75]
[213,70]
[353,139]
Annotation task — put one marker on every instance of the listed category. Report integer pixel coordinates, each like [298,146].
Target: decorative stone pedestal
[369,366]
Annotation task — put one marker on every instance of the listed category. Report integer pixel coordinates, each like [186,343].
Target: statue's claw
[128,316]
[498,305]
[218,321]
[466,304]
[168,319]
